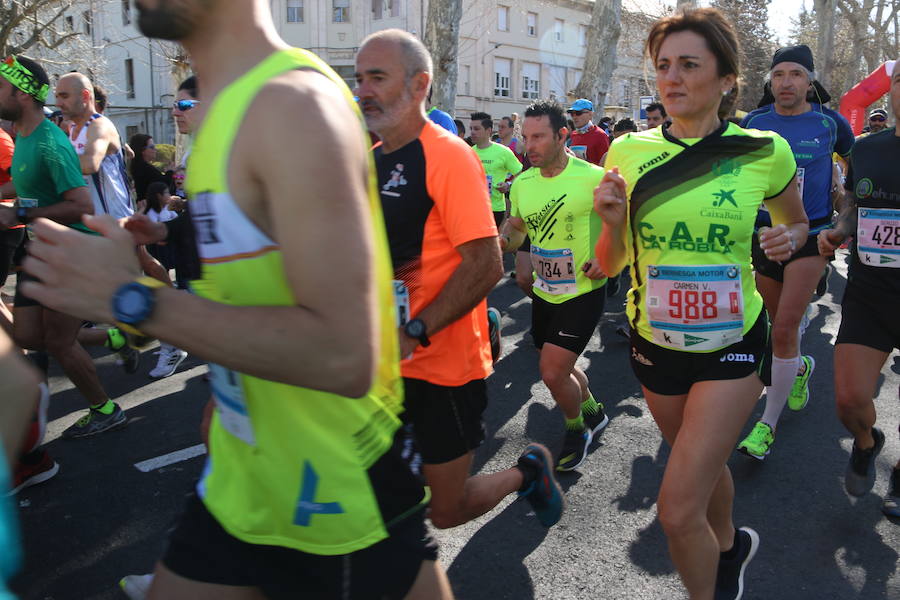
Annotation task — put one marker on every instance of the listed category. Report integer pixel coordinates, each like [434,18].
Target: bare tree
[825,23]
[600,56]
[442,40]
[28,23]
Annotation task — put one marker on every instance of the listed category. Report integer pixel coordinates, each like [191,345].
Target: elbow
[352,373]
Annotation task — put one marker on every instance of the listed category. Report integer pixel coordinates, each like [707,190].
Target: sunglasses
[877,118]
[185,105]
[577,112]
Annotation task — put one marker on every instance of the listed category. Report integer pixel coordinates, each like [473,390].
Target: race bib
[801,172]
[490,182]
[231,404]
[401,301]
[878,237]
[695,307]
[554,270]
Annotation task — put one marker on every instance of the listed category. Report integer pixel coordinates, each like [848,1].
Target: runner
[699,337]
[552,204]
[49,185]
[814,133]
[446,259]
[499,162]
[304,371]
[870,330]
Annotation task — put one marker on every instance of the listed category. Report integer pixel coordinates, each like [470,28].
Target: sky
[780,14]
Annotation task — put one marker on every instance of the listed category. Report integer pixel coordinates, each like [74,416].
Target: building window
[582,35]
[574,78]
[531,80]
[70,23]
[129,78]
[347,73]
[131,131]
[556,83]
[502,18]
[531,24]
[341,11]
[558,25]
[464,85]
[86,22]
[126,12]
[377,9]
[502,70]
[394,7]
[294,11]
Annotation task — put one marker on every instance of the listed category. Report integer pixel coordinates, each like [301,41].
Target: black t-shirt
[874,179]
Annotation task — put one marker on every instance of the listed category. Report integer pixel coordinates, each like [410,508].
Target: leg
[152,267]
[770,290]
[694,487]
[60,338]
[28,327]
[169,586]
[431,583]
[557,365]
[856,371]
[800,279]
[92,337]
[457,498]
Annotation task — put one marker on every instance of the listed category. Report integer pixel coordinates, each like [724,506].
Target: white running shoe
[169,359]
[136,586]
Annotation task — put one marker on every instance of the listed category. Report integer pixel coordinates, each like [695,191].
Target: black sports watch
[416,330]
[22,215]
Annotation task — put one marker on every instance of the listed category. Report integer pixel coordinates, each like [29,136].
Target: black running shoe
[891,504]
[860,474]
[730,575]
[95,422]
[495,334]
[596,422]
[574,450]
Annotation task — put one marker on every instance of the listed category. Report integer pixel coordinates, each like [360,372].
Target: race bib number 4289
[878,237]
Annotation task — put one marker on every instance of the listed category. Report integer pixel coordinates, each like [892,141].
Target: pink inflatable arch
[865,93]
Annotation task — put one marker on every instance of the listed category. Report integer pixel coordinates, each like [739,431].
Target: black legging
[9,243]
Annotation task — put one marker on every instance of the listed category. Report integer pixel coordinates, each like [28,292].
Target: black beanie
[801,55]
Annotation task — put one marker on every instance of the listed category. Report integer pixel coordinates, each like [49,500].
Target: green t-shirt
[560,219]
[498,162]
[692,204]
[44,167]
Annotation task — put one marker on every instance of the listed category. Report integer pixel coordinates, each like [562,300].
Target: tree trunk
[825,19]
[600,55]
[442,40]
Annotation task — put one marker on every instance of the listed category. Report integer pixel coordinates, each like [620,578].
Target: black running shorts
[775,270]
[569,325]
[447,421]
[869,319]
[201,550]
[672,372]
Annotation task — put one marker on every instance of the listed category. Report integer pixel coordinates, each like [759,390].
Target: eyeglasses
[878,118]
[185,105]
[151,146]
[577,112]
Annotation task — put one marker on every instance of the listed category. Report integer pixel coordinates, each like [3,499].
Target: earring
[726,92]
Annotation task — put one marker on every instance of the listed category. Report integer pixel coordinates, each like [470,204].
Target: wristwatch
[133,303]
[22,215]
[416,330]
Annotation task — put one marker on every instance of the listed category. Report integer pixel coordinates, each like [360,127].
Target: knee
[784,330]
[28,340]
[679,518]
[554,375]
[445,517]
[849,400]
[57,346]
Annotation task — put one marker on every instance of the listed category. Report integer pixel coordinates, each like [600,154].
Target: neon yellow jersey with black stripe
[562,225]
[290,466]
[692,204]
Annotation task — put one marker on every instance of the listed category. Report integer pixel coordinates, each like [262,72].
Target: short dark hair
[509,121]
[485,119]
[606,120]
[460,126]
[154,191]
[40,75]
[657,106]
[552,109]
[189,85]
[625,124]
[100,98]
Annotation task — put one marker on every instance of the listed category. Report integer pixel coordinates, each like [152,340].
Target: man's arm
[327,340]
[512,234]
[96,146]
[76,203]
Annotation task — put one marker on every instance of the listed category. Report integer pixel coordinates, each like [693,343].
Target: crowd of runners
[346,410]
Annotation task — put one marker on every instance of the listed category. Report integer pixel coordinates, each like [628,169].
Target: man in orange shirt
[446,257]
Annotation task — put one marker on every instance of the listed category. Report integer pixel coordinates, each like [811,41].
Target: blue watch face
[415,328]
[133,303]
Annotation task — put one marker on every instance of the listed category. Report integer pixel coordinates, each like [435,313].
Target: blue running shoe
[544,494]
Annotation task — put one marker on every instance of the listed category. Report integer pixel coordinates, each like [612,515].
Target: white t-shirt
[161,217]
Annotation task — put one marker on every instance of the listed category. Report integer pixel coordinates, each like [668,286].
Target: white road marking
[171,458]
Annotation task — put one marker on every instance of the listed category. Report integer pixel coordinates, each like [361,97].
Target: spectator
[142,170]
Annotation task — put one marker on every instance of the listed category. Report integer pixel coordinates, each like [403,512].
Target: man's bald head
[414,54]
[75,95]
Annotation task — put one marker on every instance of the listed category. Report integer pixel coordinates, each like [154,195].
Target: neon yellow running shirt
[498,162]
[290,466]
[692,204]
[560,219]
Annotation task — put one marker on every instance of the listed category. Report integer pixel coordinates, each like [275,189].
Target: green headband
[23,79]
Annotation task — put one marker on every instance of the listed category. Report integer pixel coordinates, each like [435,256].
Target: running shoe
[169,359]
[799,396]
[494,334]
[595,423]
[759,443]
[730,575]
[822,288]
[544,494]
[32,469]
[95,422]
[136,587]
[860,474]
[574,450]
[891,504]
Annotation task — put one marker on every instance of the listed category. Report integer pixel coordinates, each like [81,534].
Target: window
[574,78]
[294,11]
[502,70]
[558,25]
[377,9]
[86,22]
[129,78]
[463,85]
[556,83]
[502,18]
[70,23]
[582,35]
[126,12]
[131,131]
[347,73]
[341,11]
[394,7]
[531,24]
[531,80]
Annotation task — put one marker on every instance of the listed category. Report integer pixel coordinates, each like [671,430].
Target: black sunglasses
[577,112]
[185,105]
[877,118]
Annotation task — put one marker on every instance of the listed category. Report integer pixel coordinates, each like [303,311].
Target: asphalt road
[102,518]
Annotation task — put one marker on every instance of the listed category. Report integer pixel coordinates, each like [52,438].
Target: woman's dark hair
[154,191]
[138,143]
[715,29]
[189,85]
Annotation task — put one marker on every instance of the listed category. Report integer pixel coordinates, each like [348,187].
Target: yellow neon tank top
[290,466]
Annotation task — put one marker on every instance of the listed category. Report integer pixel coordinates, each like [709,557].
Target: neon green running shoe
[759,443]
[799,395]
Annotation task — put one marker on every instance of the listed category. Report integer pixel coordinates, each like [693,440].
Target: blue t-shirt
[443,119]
[813,137]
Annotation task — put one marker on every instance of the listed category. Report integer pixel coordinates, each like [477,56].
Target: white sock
[784,371]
